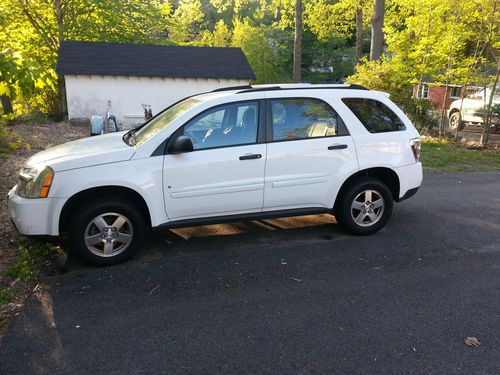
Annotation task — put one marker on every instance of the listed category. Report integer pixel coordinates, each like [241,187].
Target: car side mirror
[181,144]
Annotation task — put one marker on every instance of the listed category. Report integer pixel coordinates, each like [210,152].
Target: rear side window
[374,115]
[303,118]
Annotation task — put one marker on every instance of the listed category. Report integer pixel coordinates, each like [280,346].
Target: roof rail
[256,89]
[358,87]
[311,87]
[231,88]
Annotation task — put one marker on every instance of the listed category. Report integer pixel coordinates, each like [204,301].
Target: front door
[224,175]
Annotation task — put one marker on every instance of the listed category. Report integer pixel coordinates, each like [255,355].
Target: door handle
[250,156]
[337,147]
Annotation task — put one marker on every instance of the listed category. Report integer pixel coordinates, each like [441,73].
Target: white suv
[233,154]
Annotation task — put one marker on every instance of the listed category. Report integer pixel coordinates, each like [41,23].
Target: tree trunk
[377,40]
[63,107]
[359,34]
[297,46]
[6,104]
[442,119]
[487,121]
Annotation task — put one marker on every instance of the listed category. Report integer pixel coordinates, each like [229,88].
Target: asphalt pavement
[286,296]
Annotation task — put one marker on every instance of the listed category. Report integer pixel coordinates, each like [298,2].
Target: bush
[383,75]
[421,112]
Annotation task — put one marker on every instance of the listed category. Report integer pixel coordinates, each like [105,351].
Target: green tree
[341,19]
[186,21]
[19,77]
[259,50]
[37,27]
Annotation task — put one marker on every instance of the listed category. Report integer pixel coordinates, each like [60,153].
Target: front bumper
[34,216]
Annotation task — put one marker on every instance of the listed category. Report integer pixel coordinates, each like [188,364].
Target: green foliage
[421,112]
[20,76]
[6,296]
[446,156]
[186,21]
[35,29]
[450,41]
[222,35]
[335,18]
[261,54]
[441,41]
[384,75]
[495,110]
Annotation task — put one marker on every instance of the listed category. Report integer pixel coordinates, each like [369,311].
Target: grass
[6,296]
[23,273]
[8,140]
[447,156]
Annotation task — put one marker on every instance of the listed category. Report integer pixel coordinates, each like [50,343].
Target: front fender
[143,176]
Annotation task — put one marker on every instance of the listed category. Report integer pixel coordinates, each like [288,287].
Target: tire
[97,228]
[455,121]
[365,207]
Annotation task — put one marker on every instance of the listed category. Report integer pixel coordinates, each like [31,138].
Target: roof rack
[248,88]
[231,88]
[304,87]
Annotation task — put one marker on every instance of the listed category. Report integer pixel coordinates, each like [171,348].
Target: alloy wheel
[367,208]
[108,234]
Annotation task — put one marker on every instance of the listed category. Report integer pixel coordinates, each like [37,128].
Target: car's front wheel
[107,231]
[365,207]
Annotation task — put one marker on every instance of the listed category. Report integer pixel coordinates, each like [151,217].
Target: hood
[102,149]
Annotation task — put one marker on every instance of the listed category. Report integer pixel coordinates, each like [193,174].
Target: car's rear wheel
[455,121]
[108,231]
[365,207]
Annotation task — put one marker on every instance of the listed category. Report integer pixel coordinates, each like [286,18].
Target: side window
[227,125]
[303,118]
[375,116]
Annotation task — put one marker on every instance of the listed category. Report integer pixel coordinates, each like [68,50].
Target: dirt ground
[35,137]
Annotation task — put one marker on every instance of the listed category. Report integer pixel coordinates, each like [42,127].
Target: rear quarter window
[375,116]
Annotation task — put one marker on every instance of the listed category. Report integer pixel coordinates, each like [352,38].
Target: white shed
[129,75]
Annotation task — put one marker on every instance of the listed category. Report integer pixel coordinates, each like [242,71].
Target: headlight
[35,182]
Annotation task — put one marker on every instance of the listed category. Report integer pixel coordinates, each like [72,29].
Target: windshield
[164,119]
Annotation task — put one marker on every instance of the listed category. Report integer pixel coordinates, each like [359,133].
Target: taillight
[415,147]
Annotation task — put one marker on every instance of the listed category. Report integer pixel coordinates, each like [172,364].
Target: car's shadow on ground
[165,243]
[160,245]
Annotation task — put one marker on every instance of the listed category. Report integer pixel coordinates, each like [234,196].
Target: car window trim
[269,120]
[261,136]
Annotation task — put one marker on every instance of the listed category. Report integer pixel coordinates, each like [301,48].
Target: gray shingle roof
[150,60]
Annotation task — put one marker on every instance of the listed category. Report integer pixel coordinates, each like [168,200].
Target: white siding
[89,95]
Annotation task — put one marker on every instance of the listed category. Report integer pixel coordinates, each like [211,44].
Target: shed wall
[89,95]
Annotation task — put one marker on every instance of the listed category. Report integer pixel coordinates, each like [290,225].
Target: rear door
[224,175]
[309,154]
